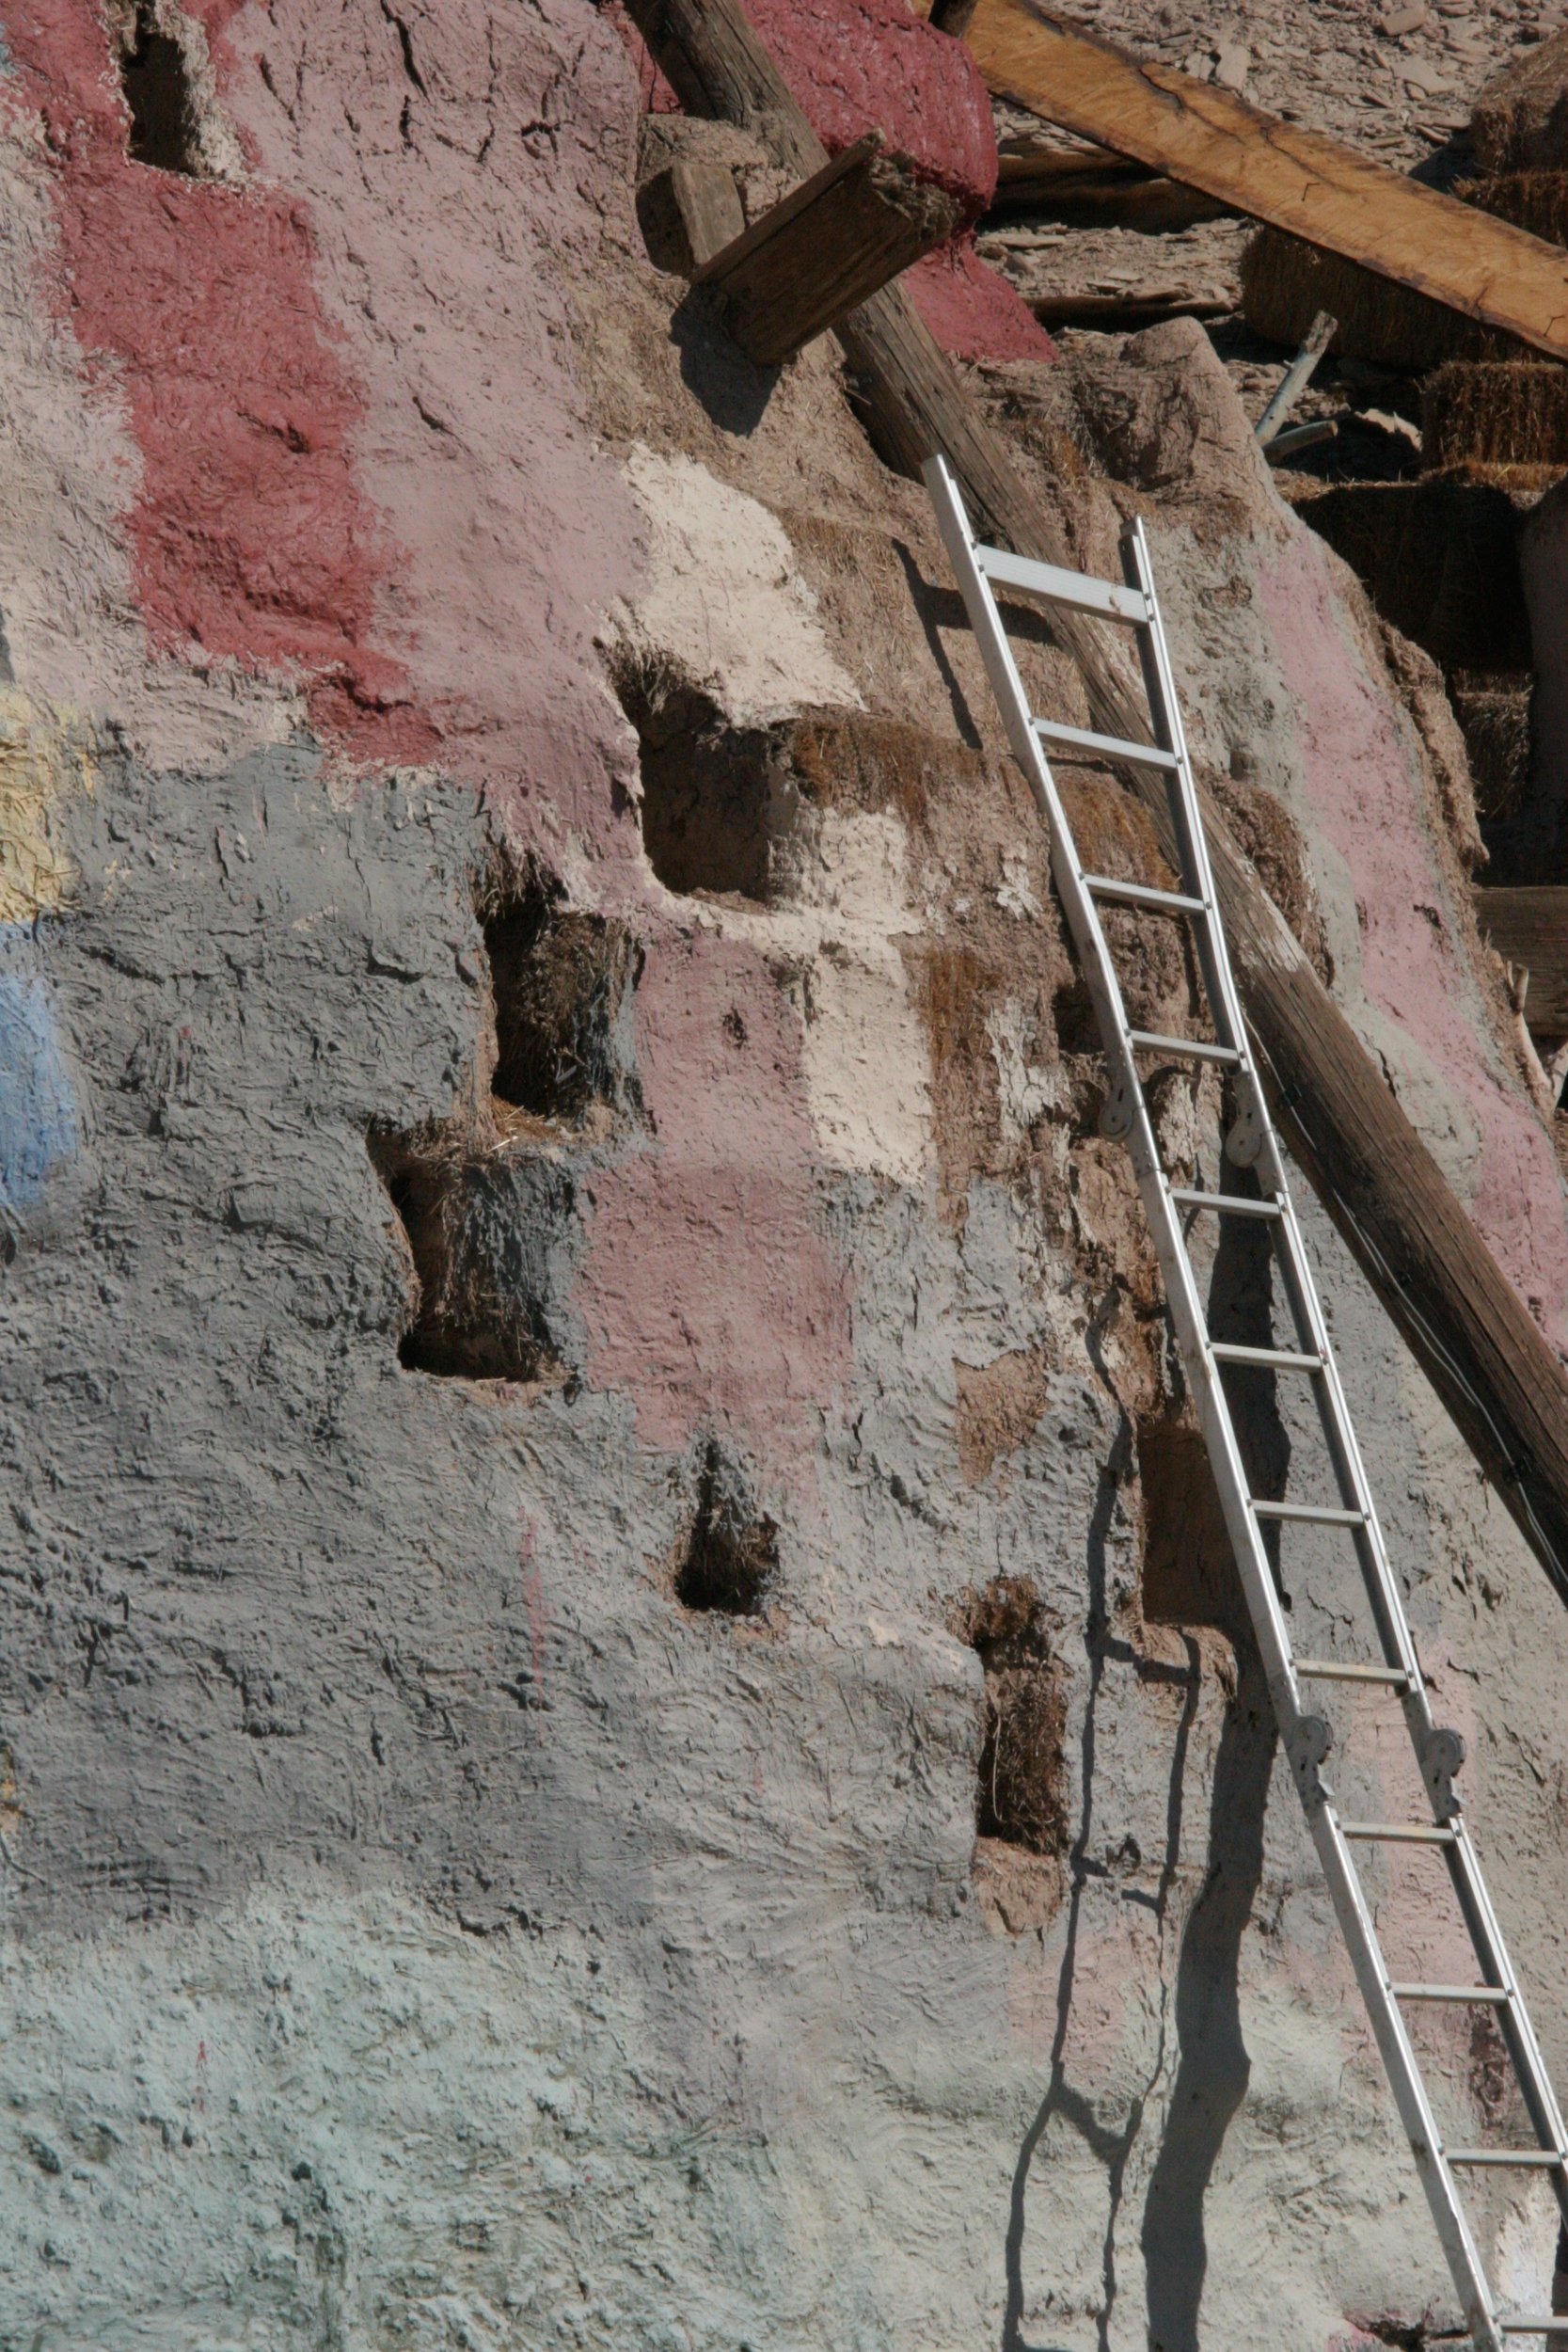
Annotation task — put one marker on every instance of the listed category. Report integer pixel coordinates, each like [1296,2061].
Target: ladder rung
[1076,590]
[1329,1670]
[1481,1993]
[1144,894]
[1319,1513]
[1282,1359]
[1105,746]
[1521,2156]
[1400,1833]
[1555,2324]
[1228,1205]
[1195,1048]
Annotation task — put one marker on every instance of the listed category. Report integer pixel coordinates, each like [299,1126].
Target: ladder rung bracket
[1496,1995]
[1329,1670]
[1144,894]
[1547,2158]
[1076,590]
[1095,746]
[1274,1358]
[1310,1514]
[1192,1048]
[1225,1203]
[1400,1833]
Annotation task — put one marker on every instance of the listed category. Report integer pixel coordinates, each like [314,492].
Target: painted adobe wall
[427,1923]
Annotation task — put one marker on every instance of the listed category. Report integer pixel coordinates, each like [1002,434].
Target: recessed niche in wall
[730,1558]
[494,1240]
[1189,1569]
[156,81]
[1021,1791]
[715,797]
[562,983]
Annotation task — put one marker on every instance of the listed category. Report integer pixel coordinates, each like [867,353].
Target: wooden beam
[850,229]
[706,203]
[1529,929]
[1095,191]
[1439,1283]
[1301,182]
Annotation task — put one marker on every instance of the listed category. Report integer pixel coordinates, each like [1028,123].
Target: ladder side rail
[1403,2068]
[1099,976]
[1166,711]
[1306,1303]
[1383,1592]
[1514,2017]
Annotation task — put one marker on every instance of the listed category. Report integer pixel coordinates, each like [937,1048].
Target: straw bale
[1520,123]
[1439,560]
[1285,282]
[1511,413]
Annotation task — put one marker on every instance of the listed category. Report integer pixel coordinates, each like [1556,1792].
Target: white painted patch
[864,1052]
[726,598]
[1027,1090]
[1014,894]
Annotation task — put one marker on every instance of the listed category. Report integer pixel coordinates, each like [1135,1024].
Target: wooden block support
[709,205]
[1299,181]
[1529,929]
[849,230]
[1396,1210]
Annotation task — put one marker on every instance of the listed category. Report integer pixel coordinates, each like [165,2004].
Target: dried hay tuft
[1493,718]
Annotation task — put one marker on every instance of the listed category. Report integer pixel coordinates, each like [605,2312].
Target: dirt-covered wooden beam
[1441,1285]
[1297,179]
[1098,190]
[1528,927]
[850,229]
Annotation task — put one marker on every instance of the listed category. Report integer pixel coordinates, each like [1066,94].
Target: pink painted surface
[1361,779]
[446,233]
[711,1291]
[250,537]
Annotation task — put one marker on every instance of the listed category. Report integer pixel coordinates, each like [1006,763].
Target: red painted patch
[856,65]
[971,310]
[863,65]
[197,300]
[710,1291]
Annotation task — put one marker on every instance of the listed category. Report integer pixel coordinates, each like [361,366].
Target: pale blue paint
[39,1124]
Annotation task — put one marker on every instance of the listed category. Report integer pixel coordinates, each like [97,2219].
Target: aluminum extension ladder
[1307,1735]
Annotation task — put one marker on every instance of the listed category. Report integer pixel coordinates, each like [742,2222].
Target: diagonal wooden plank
[1297,179]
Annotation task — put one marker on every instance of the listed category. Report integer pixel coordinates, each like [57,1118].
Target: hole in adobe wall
[1021,1792]
[1073,1019]
[492,1240]
[1189,1569]
[714,800]
[156,82]
[563,981]
[731,1557]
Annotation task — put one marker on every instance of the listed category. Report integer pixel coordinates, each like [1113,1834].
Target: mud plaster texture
[421,1927]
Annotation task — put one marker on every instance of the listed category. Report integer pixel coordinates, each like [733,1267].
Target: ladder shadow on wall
[1212,2066]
